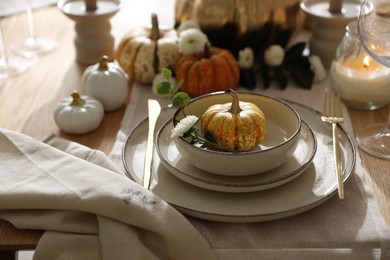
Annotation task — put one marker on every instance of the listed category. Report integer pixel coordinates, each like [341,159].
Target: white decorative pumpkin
[107,83]
[78,115]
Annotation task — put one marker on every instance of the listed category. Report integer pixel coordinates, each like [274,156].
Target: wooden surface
[27,103]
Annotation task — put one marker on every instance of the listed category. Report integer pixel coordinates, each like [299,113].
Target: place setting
[304,180]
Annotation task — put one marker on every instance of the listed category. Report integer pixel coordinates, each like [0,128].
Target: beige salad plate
[291,169]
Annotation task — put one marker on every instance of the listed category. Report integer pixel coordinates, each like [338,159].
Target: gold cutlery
[154,110]
[332,113]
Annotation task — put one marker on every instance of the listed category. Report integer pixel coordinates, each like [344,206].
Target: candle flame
[366,62]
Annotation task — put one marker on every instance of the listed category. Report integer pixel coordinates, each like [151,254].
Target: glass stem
[30,19]
[387,129]
[3,54]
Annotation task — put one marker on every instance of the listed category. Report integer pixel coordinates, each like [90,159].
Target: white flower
[318,68]
[192,41]
[245,58]
[158,78]
[274,55]
[189,24]
[183,126]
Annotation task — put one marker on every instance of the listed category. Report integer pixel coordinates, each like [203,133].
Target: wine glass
[33,45]
[374,34]
[9,66]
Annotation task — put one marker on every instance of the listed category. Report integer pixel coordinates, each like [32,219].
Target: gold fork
[332,113]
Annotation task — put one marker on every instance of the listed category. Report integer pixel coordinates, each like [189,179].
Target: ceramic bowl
[283,127]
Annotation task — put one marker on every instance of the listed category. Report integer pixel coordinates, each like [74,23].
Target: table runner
[349,229]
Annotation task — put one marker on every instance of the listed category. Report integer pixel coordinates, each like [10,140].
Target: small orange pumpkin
[213,70]
[236,125]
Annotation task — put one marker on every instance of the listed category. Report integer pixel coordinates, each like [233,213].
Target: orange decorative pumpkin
[143,52]
[213,70]
[236,125]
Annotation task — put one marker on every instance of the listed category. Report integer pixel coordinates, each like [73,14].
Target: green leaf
[177,86]
[193,133]
[209,137]
[188,134]
[167,73]
[180,99]
[163,88]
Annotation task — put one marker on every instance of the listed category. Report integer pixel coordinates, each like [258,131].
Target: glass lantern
[360,81]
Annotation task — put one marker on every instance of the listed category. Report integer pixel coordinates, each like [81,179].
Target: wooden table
[27,103]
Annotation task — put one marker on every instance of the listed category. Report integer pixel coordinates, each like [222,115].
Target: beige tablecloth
[349,229]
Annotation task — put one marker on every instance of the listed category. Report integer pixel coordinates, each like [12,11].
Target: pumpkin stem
[235,107]
[206,51]
[77,100]
[155,31]
[103,63]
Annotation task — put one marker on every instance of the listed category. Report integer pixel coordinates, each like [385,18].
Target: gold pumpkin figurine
[236,125]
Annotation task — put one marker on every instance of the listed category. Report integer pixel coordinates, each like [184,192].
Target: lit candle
[361,81]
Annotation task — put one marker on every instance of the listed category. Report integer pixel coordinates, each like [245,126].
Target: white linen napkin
[349,229]
[88,208]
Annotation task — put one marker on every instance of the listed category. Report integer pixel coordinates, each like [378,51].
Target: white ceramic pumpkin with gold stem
[78,114]
[106,82]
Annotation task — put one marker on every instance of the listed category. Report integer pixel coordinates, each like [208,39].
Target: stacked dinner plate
[289,170]
[305,180]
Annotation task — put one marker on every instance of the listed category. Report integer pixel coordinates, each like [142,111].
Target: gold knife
[154,110]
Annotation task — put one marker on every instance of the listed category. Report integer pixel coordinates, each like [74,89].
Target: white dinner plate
[291,169]
[314,187]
